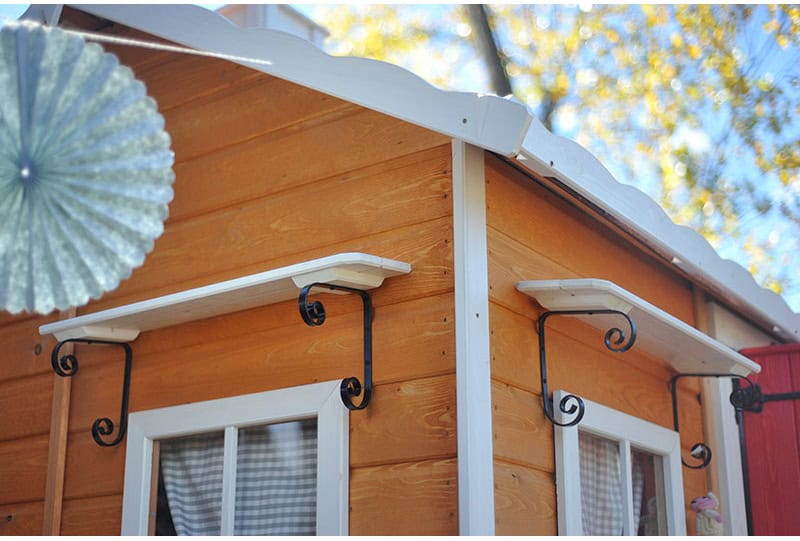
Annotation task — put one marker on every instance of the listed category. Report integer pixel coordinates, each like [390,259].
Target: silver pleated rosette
[85,170]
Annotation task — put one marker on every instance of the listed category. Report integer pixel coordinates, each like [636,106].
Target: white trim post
[473,371]
[719,418]
[723,435]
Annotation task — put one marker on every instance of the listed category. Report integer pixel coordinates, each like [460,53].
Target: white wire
[162,47]
[105,38]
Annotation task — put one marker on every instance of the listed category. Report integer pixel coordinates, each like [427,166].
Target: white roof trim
[496,124]
[553,156]
[43,13]
[491,122]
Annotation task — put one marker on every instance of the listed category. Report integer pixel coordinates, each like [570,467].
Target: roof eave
[494,123]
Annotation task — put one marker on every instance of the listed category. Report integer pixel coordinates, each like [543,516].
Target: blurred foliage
[697,105]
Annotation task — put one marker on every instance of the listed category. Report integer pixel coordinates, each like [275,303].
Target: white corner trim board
[473,352]
[659,334]
[550,155]
[124,323]
[492,122]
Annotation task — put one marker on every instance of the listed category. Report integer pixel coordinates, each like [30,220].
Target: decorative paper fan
[85,170]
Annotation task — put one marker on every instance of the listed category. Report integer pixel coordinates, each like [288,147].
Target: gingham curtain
[276,480]
[601,486]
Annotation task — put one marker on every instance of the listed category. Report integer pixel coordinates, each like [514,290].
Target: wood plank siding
[268,174]
[535,234]
[26,388]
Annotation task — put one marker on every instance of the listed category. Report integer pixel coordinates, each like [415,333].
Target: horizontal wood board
[21,519]
[23,469]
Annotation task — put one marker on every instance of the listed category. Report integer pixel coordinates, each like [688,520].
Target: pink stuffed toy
[709,521]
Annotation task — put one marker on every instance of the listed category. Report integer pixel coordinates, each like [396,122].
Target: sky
[11,11]
[470,79]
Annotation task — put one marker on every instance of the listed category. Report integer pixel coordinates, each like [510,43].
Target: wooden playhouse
[462,231]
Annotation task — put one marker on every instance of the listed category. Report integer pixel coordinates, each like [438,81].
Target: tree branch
[486,46]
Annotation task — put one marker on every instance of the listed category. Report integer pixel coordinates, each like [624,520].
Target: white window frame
[318,400]
[630,431]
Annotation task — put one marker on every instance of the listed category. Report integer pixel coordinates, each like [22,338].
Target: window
[617,475]
[266,463]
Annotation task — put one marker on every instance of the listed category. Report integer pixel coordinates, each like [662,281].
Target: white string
[163,47]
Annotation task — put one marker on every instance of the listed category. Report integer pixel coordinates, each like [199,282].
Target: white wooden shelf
[658,333]
[124,323]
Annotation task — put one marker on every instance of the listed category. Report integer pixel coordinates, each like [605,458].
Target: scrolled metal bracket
[313,314]
[742,398]
[67,366]
[616,340]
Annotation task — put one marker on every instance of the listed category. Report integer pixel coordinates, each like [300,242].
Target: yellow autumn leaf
[562,83]
[771,26]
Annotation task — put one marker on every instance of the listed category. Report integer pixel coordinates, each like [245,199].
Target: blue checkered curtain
[192,470]
[276,480]
[602,510]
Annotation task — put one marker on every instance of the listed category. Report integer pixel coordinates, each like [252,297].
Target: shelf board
[124,323]
[658,333]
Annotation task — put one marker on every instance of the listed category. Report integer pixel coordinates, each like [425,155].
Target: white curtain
[276,480]
[602,509]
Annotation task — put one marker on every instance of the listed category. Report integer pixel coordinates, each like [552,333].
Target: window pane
[648,496]
[191,467]
[610,468]
[276,479]
[601,486]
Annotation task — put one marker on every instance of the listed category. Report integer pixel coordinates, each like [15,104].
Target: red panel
[794,365]
[773,444]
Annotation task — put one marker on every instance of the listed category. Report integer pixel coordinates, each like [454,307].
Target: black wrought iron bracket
[313,314]
[748,398]
[67,366]
[616,340]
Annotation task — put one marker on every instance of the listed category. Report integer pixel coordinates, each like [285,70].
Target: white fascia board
[491,122]
[550,155]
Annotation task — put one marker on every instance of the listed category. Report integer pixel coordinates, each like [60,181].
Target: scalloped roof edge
[550,155]
[500,125]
